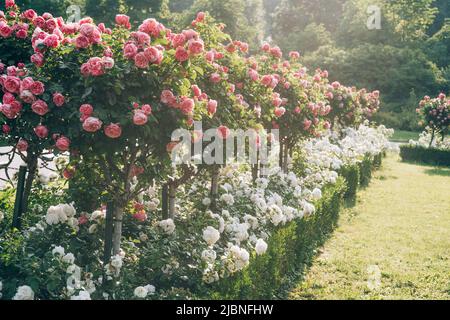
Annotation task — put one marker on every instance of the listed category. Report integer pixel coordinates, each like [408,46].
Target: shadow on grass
[445,172]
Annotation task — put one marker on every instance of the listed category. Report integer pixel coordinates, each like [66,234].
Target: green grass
[400,226]
[404,136]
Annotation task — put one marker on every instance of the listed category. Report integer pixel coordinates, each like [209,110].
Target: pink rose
[92,124]
[51,41]
[30,14]
[153,55]
[167,97]
[279,111]
[27,97]
[223,132]
[140,118]
[140,216]
[62,143]
[96,66]
[83,220]
[196,47]
[294,55]
[108,62]
[147,109]
[86,109]
[152,27]
[58,99]
[27,83]
[37,59]
[113,131]
[21,34]
[9,4]
[253,74]
[141,61]
[5,30]
[130,50]
[212,106]
[40,107]
[22,145]
[81,42]
[215,77]
[187,106]
[12,84]
[307,124]
[142,38]
[6,129]
[200,16]
[181,54]
[178,40]
[123,21]
[41,131]
[85,69]
[37,88]
[196,90]
[266,80]
[8,98]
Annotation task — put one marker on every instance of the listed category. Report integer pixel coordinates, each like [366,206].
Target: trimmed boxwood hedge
[425,155]
[293,247]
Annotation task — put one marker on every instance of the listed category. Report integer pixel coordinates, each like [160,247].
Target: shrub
[422,154]
[365,168]
[351,176]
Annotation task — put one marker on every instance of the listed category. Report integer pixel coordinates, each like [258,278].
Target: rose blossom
[130,50]
[40,107]
[92,124]
[141,61]
[86,109]
[63,143]
[223,132]
[167,97]
[181,54]
[140,118]
[113,131]
[147,109]
[215,78]
[37,59]
[12,84]
[123,21]
[58,99]
[22,145]
[37,88]
[187,106]
[212,106]
[196,46]
[41,131]
[6,129]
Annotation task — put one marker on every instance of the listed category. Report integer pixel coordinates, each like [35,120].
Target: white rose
[68,210]
[92,228]
[82,295]
[316,194]
[69,258]
[209,255]
[150,289]
[211,235]
[167,225]
[260,247]
[206,201]
[227,198]
[58,251]
[24,293]
[140,292]
[53,215]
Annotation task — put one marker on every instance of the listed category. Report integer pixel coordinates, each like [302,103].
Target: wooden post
[108,232]
[19,205]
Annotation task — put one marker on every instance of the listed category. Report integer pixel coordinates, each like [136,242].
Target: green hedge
[293,247]
[421,154]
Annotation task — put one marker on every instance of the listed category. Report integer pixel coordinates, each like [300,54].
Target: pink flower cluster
[97,66]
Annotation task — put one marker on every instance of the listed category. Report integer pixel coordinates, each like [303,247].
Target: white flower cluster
[425,139]
[62,213]
[143,292]
[24,293]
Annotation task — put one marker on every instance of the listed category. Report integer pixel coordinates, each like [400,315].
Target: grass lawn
[394,244]
[404,136]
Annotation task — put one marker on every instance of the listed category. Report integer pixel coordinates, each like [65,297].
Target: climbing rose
[187,106]
[212,106]
[140,118]
[37,88]
[123,20]
[86,109]
[63,143]
[40,107]
[41,131]
[280,111]
[181,54]
[113,131]
[58,99]
[22,145]
[147,109]
[92,124]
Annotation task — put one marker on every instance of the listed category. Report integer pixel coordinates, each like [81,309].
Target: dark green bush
[351,176]
[365,169]
[425,155]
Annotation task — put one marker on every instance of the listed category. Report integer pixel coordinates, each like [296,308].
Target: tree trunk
[432,138]
[255,169]
[117,234]
[165,201]
[32,168]
[172,200]
[285,159]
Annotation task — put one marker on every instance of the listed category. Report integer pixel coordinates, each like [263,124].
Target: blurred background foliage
[406,59]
